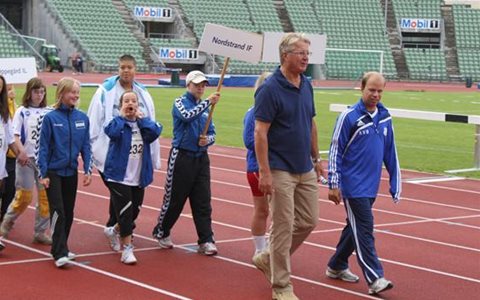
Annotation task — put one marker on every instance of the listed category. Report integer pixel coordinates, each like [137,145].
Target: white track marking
[107,274]
[432,179]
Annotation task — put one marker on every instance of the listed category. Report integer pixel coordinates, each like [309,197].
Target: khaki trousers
[294,208]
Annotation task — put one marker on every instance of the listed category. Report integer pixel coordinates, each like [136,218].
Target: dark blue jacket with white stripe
[120,134]
[361,142]
[64,135]
[189,119]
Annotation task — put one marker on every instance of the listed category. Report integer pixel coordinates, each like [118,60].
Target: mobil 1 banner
[153,14]
[420,25]
[178,54]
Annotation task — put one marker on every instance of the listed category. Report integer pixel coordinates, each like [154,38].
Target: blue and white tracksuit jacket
[120,134]
[104,107]
[361,142]
[189,119]
[64,135]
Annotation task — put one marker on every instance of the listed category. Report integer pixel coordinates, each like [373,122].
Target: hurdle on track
[435,116]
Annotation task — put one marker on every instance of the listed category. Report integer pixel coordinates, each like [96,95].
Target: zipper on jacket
[69,139]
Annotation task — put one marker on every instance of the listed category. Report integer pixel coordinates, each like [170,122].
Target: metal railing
[41,63]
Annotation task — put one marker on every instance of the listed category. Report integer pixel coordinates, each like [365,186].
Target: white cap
[195,77]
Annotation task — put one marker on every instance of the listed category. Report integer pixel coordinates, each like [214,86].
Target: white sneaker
[62,261]
[71,255]
[2,245]
[345,275]
[380,285]
[262,262]
[112,236]
[165,243]
[207,249]
[127,255]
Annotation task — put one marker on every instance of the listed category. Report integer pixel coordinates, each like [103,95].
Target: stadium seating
[102,33]
[302,16]
[264,16]
[467,33]
[9,47]
[99,29]
[360,27]
[429,9]
[152,3]
[199,12]
[173,42]
[426,64]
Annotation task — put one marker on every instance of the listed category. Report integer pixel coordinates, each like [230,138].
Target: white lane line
[343,224]
[407,265]
[329,221]
[107,274]
[433,179]
[186,247]
[450,188]
[383,178]
[375,209]
[23,261]
[380,195]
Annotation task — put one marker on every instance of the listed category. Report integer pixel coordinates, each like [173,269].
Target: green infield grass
[422,145]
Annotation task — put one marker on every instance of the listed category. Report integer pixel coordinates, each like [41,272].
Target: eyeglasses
[301,53]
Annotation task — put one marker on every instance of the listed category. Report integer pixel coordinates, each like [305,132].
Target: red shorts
[252,178]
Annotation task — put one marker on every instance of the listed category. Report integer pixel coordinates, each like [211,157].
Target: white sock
[260,242]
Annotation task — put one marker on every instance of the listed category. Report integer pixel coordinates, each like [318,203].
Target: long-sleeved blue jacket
[361,142]
[249,140]
[64,135]
[189,119]
[120,134]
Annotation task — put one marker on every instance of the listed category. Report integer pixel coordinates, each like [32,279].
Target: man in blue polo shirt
[289,165]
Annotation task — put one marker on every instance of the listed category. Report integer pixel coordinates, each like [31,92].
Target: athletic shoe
[2,245]
[287,295]
[6,226]
[345,275]
[165,243]
[62,261]
[112,236]
[208,249]
[380,285]
[42,238]
[127,255]
[262,262]
[71,255]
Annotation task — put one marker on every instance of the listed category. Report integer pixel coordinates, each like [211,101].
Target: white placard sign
[18,70]
[271,40]
[233,43]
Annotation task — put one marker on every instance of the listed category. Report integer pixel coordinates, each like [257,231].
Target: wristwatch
[316,160]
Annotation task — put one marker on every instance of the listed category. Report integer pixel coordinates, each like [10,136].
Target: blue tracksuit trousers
[358,235]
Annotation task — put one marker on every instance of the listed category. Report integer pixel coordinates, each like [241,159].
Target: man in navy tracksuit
[188,173]
[362,140]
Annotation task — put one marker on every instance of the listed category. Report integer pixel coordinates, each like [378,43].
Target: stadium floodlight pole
[219,87]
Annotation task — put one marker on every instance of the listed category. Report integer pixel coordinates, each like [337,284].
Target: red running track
[429,245]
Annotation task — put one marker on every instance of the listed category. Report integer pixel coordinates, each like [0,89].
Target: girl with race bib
[128,167]
[26,127]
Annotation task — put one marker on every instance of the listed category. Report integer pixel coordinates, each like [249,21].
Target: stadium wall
[44,23]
